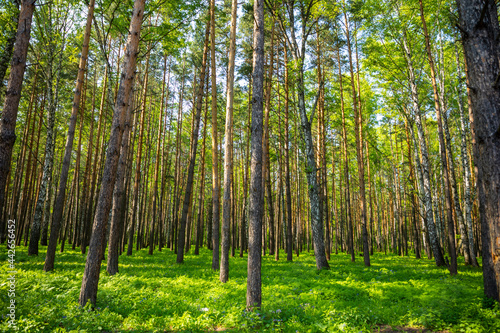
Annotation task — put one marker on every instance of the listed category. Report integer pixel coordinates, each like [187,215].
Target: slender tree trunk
[90,281]
[138,160]
[316,222]
[215,147]
[12,98]
[321,153]
[413,195]
[157,161]
[199,231]
[266,171]
[350,236]
[480,31]
[245,213]
[288,190]
[228,149]
[177,171]
[254,284]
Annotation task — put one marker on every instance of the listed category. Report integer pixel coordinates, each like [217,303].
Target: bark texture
[255,209]
[215,148]
[228,150]
[480,32]
[12,98]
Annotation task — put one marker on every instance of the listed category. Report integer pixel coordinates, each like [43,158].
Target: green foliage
[154,294]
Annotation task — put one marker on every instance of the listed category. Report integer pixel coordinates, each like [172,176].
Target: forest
[250,166]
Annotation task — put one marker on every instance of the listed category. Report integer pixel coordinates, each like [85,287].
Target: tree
[215,148]
[307,22]
[90,281]
[12,98]
[478,22]
[255,209]
[228,150]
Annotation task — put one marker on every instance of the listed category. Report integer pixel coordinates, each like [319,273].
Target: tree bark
[138,161]
[118,212]
[215,148]
[350,237]
[480,31]
[288,186]
[228,149]
[12,98]
[255,211]
[306,131]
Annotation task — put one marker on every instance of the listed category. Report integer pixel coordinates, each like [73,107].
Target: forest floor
[154,294]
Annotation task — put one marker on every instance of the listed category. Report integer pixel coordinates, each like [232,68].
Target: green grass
[154,294]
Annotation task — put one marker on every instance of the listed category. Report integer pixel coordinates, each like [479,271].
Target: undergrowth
[154,294]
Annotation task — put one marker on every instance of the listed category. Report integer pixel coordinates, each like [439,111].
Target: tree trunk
[480,31]
[118,212]
[255,211]
[244,214]
[228,150]
[350,236]
[215,147]
[12,98]
[288,187]
[201,200]
[138,161]
[90,281]
[316,222]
